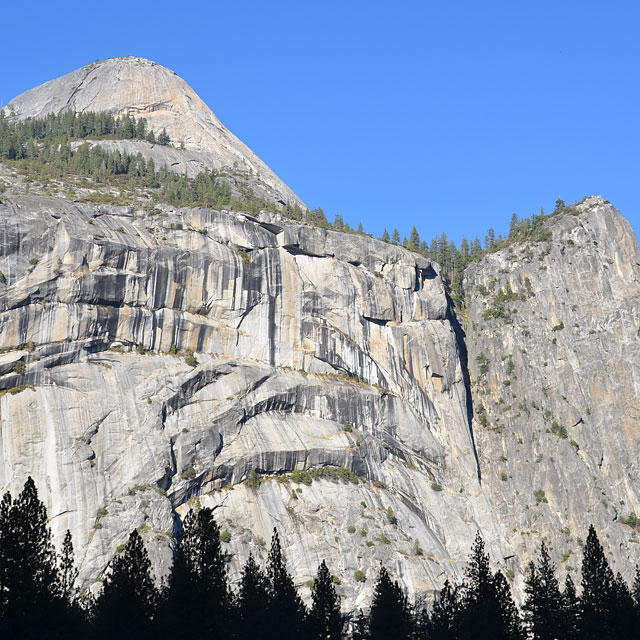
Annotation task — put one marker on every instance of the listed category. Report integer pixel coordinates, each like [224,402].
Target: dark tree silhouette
[325,622]
[624,622]
[571,610]
[253,601]
[489,609]
[597,601]
[446,614]
[543,610]
[30,598]
[72,617]
[198,585]
[286,611]
[127,603]
[635,592]
[390,616]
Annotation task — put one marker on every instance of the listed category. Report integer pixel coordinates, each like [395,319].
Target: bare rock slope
[331,392]
[144,89]
[555,363]
[316,351]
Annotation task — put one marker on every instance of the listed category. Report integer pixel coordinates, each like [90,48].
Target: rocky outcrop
[555,364]
[141,88]
[299,378]
[315,351]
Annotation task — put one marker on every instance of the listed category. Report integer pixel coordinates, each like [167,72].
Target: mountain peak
[144,89]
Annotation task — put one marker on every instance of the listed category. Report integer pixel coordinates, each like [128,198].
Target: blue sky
[449,116]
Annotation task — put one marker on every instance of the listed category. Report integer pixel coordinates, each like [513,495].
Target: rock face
[330,365]
[144,89]
[315,350]
[556,403]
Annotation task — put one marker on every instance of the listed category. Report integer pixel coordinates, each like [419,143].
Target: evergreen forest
[39,595]
[60,146]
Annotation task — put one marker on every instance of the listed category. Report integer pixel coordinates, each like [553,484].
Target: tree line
[43,147]
[39,596]
[18,136]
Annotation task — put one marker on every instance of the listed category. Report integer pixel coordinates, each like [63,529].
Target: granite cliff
[554,358]
[141,88]
[310,380]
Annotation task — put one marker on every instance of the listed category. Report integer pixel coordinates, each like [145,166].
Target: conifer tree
[385,236]
[127,603]
[543,608]
[624,618]
[464,251]
[67,570]
[421,622]
[597,597]
[489,609]
[71,615]
[445,620]
[390,616]
[253,602]
[286,617]
[571,611]
[325,622]
[635,592]
[414,239]
[30,599]
[198,584]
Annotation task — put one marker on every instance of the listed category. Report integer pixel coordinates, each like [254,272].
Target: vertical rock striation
[556,402]
[315,350]
[305,379]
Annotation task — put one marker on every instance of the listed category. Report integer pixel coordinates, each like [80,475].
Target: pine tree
[30,599]
[390,616]
[464,251]
[253,602]
[624,618]
[163,138]
[513,226]
[490,240]
[324,622]
[421,622]
[286,617]
[67,570]
[635,592]
[127,603]
[198,584]
[571,611]
[445,620]
[476,248]
[396,236]
[385,236]
[414,239]
[543,608]
[598,592]
[489,609]
[71,614]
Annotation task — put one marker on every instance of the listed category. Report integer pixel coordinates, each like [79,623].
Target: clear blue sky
[449,115]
